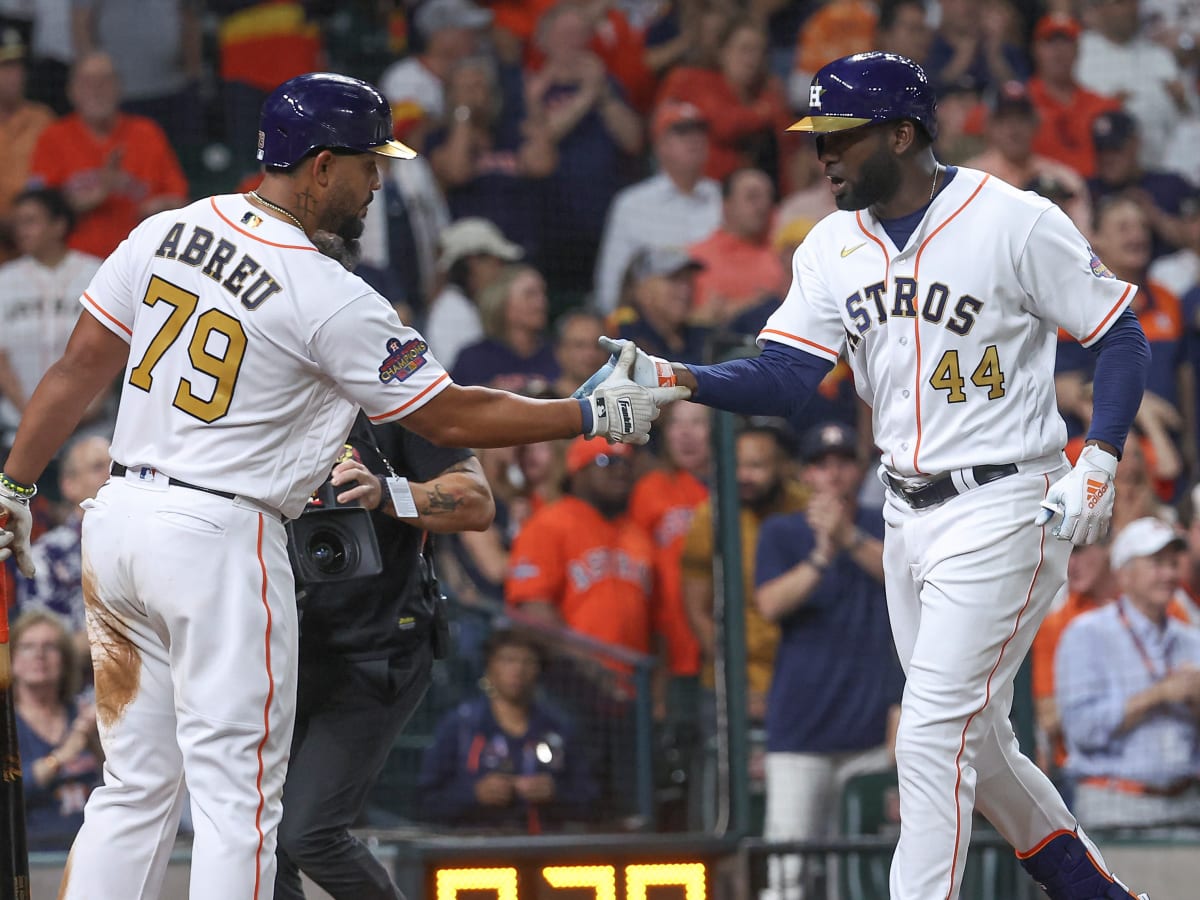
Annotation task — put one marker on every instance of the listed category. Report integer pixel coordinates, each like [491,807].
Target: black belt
[119,471]
[942,488]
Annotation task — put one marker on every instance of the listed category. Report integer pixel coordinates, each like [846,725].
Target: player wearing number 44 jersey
[246,354]
[945,289]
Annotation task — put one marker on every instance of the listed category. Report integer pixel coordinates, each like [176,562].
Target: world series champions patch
[402,359]
[1099,269]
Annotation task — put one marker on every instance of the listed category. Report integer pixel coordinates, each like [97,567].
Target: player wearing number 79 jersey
[246,353]
[945,289]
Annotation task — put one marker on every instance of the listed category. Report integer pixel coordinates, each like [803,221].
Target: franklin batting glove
[622,410]
[1084,498]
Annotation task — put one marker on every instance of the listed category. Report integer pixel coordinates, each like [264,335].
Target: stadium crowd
[622,167]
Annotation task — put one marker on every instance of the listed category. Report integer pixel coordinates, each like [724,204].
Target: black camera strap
[440,630]
[428,572]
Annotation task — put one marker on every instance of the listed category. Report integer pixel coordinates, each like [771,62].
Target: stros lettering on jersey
[943,398]
[241,332]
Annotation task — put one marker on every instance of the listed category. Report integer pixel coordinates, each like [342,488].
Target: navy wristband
[585,409]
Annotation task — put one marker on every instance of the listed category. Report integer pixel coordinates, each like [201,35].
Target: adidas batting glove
[1083,497]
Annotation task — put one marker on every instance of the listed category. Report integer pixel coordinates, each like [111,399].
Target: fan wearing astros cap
[944,288]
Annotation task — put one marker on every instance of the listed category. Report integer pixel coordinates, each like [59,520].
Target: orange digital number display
[602,880]
[453,882]
[689,876]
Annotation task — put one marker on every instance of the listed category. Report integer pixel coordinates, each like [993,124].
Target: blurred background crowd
[622,167]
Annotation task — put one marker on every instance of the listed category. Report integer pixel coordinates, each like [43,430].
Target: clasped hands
[626,394]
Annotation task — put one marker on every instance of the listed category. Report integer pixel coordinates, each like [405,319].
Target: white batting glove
[622,410]
[1083,497]
[15,524]
[648,371]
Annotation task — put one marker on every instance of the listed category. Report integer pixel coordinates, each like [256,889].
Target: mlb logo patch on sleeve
[402,359]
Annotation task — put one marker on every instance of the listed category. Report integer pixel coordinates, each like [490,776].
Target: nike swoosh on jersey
[846,251]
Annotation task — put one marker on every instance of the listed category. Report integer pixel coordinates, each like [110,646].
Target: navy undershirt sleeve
[1122,361]
[777,383]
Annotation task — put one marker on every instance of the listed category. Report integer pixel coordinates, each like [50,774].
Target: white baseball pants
[192,619]
[968,583]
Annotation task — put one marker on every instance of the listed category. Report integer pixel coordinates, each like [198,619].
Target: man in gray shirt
[675,208]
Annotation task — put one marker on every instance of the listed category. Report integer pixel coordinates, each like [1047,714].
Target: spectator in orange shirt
[1012,123]
[1065,109]
[740,266]
[663,502]
[745,107]
[21,121]
[115,169]
[514,24]
[622,48]
[582,561]
[839,28]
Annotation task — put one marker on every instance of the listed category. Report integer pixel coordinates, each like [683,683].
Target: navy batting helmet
[867,88]
[321,110]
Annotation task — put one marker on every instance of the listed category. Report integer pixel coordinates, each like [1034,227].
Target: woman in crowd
[515,354]
[745,107]
[489,160]
[473,256]
[56,734]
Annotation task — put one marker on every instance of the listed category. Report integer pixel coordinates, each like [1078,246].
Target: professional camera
[332,541]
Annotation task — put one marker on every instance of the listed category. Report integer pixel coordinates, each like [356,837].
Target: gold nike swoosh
[846,251]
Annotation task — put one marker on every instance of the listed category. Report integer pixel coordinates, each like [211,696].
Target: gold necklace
[279,209]
[932,188]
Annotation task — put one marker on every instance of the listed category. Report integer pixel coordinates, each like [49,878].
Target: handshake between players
[1079,504]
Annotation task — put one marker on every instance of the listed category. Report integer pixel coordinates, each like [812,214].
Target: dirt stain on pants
[115,659]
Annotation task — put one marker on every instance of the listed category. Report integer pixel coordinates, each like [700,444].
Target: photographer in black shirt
[366,650]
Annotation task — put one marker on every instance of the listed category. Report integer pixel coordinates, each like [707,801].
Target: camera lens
[328,552]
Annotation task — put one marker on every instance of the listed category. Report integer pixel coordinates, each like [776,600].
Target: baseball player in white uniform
[246,355]
[945,288]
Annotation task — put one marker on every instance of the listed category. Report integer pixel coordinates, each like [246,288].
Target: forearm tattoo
[439,502]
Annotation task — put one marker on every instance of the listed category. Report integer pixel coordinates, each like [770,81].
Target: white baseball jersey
[951,338]
[250,352]
[39,308]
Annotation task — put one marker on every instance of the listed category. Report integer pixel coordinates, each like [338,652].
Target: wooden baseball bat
[14,855]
